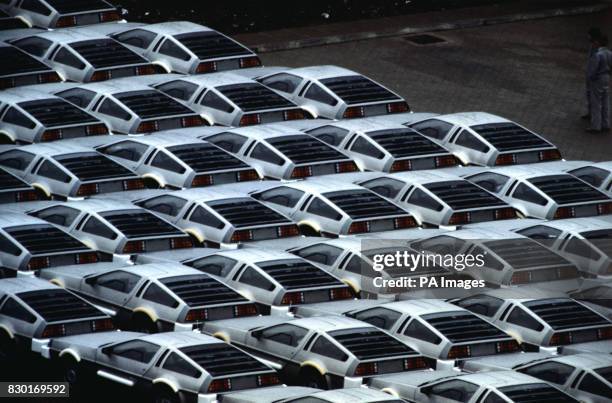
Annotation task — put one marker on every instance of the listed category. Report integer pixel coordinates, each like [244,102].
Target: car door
[127,361]
[468,148]
[167,168]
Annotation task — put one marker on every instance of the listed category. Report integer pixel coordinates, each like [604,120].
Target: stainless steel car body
[597,174]
[300,393]
[57,14]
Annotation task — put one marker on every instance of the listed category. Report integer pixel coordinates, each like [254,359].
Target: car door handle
[115,378]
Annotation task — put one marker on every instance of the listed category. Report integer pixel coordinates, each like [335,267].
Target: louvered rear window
[106,53]
[198,290]
[222,359]
[59,305]
[254,96]
[565,313]
[246,212]
[76,6]
[206,157]
[150,104]
[463,326]
[565,189]
[360,204]
[405,143]
[211,45]
[137,224]
[358,89]
[461,195]
[536,393]
[510,137]
[305,149]
[41,239]
[296,273]
[525,253]
[368,344]
[93,166]
[14,61]
[56,112]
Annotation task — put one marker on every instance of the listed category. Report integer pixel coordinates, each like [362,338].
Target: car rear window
[368,343]
[136,223]
[40,239]
[106,53]
[305,149]
[359,204]
[295,273]
[76,6]
[149,104]
[463,195]
[405,143]
[56,112]
[564,189]
[211,45]
[58,305]
[565,313]
[461,327]
[254,96]
[93,166]
[510,136]
[200,290]
[221,359]
[535,392]
[357,89]
[246,212]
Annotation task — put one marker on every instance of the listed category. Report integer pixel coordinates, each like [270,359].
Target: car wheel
[4,139]
[144,324]
[151,183]
[307,230]
[165,395]
[7,347]
[70,371]
[311,378]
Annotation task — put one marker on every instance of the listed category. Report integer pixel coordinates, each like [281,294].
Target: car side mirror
[91,280]
[257,333]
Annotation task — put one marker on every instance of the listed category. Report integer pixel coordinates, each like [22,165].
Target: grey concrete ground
[531,72]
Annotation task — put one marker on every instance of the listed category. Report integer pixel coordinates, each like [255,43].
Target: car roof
[355,395]
[330,323]
[211,193]
[179,339]
[176,27]
[257,255]
[52,149]
[266,131]
[13,220]
[23,284]
[216,79]
[423,306]
[163,139]
[426,176]
[322,71]
[366,124]
[471,118]
[162,270]
[20,94]
[523,293]
[580,224]
[100,205]
[499,379]
[526,171]
[323,185]
[585,360]
[483,234]
[115,86]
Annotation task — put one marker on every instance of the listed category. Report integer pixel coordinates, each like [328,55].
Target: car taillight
[366,368]
[51,135]
[301,172]
[96,130]
[247,175]
[347,166]
[196,315]
[564,212]
[26,195]
[567,272]
[459,352]
[293,298]
[359,227]
[86,258]
[604,208]
[604,333]
[101,76]
[245,310]
[108,16]
[505,159]
[206,67]
[54,331]
[242,236]
[411,364]
[250,120]
[460,218]
[68,21]
[294,114]
[397,107]
[102,325]
[401,165]
[268,380]
[192,121]
[49,78]
[354,112]
[202,180]
[404,222]
[220,385]
[181,243]
[251,61]
[446,161]
[147,127]
[560,339]
[134,247]
[509,346]
[40,262]
[287,231]
[521,277]
[133,184]
[550,155]
[505,213]
[340,293]
[88,189]
[145,70]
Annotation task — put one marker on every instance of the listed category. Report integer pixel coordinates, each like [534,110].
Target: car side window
[592,175]
[136,350]
[468,140]
[78,96]
[385,187]
[216,265]
[581,248]
[419,331]
[519,317]
[212,100]
[422,199]
[17,118]
[320,253]
[129,150]
[7,246]
[284,82]
[493,397]
[120,281]
[96,227]
[178,89]
[163,161]
[326,348]
[35,46]
[321,208]
[283,196]
[541,233]
[16,159]
[252,277]
[51,171]
[481,304]
[264,153]
[178,364]
[490,181]
[139,38]
[380,317]
[526,193]
[365,147]
[228,141]
[433,128]
[331,135]
[14,309]
[204,217]
[156,294]
[35,6]
[169,48]
[316,93]
[591,384]
[554,372]
[66,57]
[290,335]
[168,205]
[458,390]
[111,108]
[59,215]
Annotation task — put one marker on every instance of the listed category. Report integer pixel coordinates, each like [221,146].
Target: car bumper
[207,398]
[184,327]
[41,346]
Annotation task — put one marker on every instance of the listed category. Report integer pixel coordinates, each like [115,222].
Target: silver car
[541,192]
[232,100]
[481,138]
[68,170]
[188,48]
[281,153]
[30,244]
[169,159]
[440,199]
[19,68]
[295,394]
[13,189]
[132,108]
[115,227]
[330,206]
[154,297]
[32,311]
[335,92]
[596,174]
[173,367]
[61,14]
[29,116]
[326,352]
[385,146]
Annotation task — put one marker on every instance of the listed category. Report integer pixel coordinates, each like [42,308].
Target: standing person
[598,76]
[593,33]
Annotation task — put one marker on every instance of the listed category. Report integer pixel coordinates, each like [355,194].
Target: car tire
[4,139]
[142,323]
[151,183]
[164,394]
[71,372]
[312,378]
[8,347]
[307,230]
